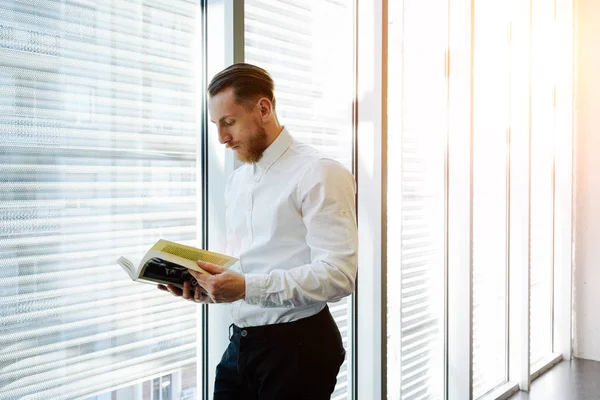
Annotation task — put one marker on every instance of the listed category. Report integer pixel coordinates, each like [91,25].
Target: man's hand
[197,296]
[223,286]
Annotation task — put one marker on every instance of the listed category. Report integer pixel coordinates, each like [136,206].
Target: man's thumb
[210,268]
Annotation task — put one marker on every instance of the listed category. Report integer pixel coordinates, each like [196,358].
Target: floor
[574,380]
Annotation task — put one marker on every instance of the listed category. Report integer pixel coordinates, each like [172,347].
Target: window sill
[544,365]
[502,392]
[508,389]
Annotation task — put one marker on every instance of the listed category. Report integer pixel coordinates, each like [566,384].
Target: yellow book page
[194,254]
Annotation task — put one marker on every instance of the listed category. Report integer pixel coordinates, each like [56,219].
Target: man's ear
[266,109]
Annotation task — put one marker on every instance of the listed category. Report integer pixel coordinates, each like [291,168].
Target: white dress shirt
[291,223]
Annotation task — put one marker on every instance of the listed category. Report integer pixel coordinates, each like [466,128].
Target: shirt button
[244,333]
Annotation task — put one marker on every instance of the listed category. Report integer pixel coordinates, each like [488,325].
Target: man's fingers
[175,291]
[200,277]
[210,267]
[197,294]
[200,296]
[202,290]
[186,290]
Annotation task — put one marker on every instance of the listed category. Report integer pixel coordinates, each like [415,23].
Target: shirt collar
[275,150]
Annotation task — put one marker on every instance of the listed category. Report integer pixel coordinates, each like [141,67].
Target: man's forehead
[224,97]
[221,105]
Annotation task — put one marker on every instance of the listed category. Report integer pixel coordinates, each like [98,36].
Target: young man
[291,223]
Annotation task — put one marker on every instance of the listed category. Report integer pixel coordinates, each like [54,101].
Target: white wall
[587,181]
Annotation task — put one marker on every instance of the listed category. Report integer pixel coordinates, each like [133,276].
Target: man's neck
[273,131]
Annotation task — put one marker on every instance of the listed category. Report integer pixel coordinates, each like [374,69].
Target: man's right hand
[197,296]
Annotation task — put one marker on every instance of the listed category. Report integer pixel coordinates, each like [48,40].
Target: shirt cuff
[256,288]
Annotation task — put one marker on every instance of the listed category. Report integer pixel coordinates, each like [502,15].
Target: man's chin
[242,156]
[246,155]
[247,158]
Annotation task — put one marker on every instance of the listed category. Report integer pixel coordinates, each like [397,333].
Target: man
[291,223]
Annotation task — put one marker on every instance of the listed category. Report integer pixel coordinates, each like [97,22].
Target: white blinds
[312,66]
[98,150]
[417,131]
[416,36]
[490,195]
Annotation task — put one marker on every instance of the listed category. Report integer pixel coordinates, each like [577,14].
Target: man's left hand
[223,286]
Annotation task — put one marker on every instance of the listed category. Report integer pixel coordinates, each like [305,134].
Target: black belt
[285,330]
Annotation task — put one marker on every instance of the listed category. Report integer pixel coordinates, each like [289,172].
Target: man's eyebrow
[221,119]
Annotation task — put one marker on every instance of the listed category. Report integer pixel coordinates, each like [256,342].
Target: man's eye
[229,123]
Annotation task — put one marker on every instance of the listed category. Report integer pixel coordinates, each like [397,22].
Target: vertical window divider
[563,208]
[371,161]
[202,312]
[520,196]
[460,205]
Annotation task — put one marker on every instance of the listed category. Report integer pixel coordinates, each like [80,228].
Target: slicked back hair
[249,83]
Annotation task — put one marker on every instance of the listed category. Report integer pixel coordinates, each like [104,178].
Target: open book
[168,262]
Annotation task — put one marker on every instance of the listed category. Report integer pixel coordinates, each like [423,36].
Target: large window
[100,156]
[542,180]
[312,65]
[98,141]
[474,168]
[416,220]
[491,91]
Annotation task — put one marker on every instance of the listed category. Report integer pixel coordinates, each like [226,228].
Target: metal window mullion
[520,197]
[460,203]
[202,312]
[353,336]
[371,161]
[563,212]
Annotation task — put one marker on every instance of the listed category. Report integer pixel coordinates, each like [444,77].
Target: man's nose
[224,137]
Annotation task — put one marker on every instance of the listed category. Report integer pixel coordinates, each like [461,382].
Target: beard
[251,151]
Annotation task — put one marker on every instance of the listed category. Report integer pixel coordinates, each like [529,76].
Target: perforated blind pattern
[98,149]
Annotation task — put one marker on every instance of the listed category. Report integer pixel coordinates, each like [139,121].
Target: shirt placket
[249,230]
[249,205]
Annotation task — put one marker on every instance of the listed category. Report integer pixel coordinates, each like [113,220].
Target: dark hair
[248,81]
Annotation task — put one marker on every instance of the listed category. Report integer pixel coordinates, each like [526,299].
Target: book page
[127,266]
[194,254]
[159,270]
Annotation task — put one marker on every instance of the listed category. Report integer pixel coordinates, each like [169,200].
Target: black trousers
[289,361]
